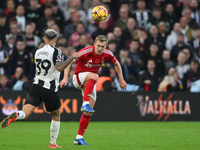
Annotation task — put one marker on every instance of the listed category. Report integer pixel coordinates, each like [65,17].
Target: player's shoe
[54,146]
[87,108]
[9,120]
[80,142]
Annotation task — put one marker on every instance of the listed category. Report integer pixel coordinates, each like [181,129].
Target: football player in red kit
[85,77]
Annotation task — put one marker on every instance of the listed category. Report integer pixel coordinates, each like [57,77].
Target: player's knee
[55,113]
[95,77]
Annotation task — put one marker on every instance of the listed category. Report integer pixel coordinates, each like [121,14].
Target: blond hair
[101,38]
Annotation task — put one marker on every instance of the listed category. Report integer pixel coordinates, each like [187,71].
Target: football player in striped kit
[48,62]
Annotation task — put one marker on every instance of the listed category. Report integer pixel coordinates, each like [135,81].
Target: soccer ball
[99,13]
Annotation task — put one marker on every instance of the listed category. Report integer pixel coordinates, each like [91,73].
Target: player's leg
[19,115]
[32,100]
[85,120]
[89,84]
[53,104]
[55,127]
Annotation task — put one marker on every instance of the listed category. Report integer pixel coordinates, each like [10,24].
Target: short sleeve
[57,56]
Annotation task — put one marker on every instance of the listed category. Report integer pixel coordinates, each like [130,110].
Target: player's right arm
[60,66]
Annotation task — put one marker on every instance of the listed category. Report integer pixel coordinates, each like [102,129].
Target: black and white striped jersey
[47,75]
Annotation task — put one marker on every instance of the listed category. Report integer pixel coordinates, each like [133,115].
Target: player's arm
[118,69]
[66,74]
[60,66]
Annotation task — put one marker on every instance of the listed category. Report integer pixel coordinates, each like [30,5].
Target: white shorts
[82,79]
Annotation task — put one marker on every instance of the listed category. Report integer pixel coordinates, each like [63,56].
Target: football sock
[86,102]
[55,126]
[83,124]
[21,115]
[89,86]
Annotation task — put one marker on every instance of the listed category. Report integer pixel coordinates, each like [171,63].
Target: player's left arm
[118,69]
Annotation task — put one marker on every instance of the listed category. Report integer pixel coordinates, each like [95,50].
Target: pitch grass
[105,136]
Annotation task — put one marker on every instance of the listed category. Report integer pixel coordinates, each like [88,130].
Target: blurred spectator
[170,15]
[121,21]
[34,11]
[91,26]
[104,82]
[191,22]
[195,43]
[101,30]
[185,29]
[182,67]
[57,13]
[74,39]
[156,18]
[156,3]
[149,78]
[167,80]
[136,57]
[130,27]
[154,38]
[109,18]
[62,40]
[110,36]
[10,41]
[82,42]
[112,44]
[180,45]
[71,28]
[31,39]
[172,38]
[119,38]
[63,4]
[176,84]
[162,32]
[141,15]
[188,55]
[3,60]
[3,82]
[10,9]
[166,59]
[194,5]
[17,81]
[20,56]
[128,67]
[156,55]
[77,5]
[20,17]
[42,22]
[4,26]
[191,75]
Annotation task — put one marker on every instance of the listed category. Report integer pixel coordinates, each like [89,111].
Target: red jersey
[91,62]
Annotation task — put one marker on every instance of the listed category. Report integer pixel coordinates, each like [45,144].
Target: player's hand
[76,55]
[122,84]
[63,82]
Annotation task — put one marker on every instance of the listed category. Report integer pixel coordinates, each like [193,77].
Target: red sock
[89,86]
[83,124]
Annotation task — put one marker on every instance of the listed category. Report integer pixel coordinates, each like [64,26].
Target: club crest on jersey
[97,61]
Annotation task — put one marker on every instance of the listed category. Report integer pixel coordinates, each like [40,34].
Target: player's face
[99,47]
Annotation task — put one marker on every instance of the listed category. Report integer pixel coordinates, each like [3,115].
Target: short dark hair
[101,38]
[2,15]
[195,61]
[51,34]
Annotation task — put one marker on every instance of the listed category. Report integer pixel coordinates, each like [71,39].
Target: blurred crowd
[157,42]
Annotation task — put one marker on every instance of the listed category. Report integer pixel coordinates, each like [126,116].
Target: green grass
[105,136]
